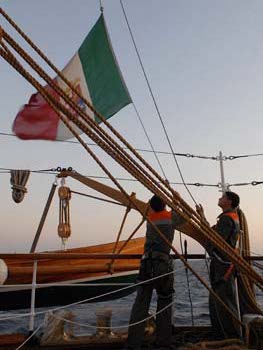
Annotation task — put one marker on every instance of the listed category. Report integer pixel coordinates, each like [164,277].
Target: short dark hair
[234,199]
[157,204]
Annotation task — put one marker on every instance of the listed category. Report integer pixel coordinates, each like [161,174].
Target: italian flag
[95,73]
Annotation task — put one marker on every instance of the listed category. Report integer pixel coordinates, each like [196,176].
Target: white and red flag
[95,73]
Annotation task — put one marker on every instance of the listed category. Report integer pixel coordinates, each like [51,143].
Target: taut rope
[150,179]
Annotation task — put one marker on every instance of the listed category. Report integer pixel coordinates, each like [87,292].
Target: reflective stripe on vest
[161,217]
[233,216]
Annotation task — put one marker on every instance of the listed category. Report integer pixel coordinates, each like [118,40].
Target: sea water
[190,306]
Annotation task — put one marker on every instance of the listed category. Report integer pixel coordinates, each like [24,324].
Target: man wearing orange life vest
[155,262]
[221,269]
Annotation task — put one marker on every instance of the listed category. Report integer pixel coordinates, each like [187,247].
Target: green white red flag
[95,73]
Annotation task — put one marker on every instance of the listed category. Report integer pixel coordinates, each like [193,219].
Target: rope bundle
[131,161]
[18,181]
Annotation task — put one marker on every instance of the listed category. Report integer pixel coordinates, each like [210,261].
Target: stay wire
[187,155]
[149,140]
[54,171]
[42,171]
[145,131]
[98,198]
[244,156]
[155,103]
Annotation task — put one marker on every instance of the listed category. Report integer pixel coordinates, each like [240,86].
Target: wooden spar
[95,256]
[65,256]
[61,270]
[106,190]
[112,193]
[43,218]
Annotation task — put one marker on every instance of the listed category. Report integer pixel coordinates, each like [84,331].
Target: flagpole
[101,7]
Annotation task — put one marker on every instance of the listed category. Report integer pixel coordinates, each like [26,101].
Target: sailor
[155,262]
[222,274]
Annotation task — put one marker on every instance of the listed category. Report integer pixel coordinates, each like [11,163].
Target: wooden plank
[97,256]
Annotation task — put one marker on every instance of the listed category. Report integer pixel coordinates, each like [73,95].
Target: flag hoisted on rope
[95,74]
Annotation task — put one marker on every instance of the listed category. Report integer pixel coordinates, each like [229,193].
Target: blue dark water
[86,313]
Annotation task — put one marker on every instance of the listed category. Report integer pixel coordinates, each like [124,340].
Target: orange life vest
[235,218]
[163,215]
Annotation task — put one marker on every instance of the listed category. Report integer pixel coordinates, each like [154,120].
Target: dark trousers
[224,325]
[164,289]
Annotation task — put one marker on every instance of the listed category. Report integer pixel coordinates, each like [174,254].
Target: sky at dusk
[203,60]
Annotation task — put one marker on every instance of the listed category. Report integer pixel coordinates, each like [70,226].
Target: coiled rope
[18,181]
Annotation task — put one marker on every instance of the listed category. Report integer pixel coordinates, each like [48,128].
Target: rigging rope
[187,155]
[244,156]
[98,135]
[146,180]
[98,198]
[57,106]
[150,142]
[155,103]
[53,171]
[31,335]
[87,300]
[116,151]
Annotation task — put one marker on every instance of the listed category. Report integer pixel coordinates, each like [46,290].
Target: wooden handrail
[94,256]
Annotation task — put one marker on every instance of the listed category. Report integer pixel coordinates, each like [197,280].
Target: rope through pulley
[138,167]
[64,228]
[18,181]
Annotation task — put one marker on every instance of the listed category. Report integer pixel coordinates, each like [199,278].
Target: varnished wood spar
[95,256]
[67,256]
[104,189]
[58,270]
[43,218]
[185,228]
[101,251]
[118,196]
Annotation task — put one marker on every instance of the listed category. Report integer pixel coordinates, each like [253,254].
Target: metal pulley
[64,193]
[64,229]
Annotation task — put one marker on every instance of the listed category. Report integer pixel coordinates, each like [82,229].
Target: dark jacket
[166,222]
